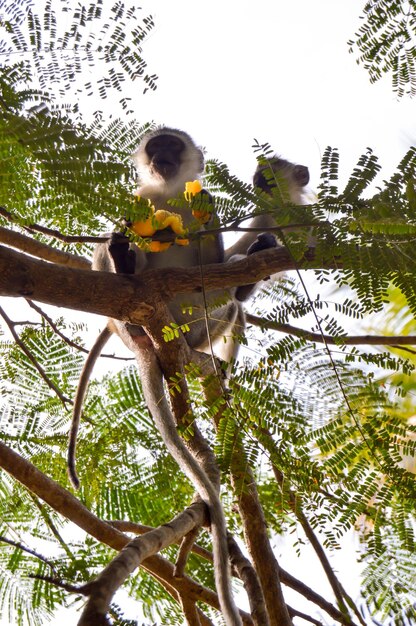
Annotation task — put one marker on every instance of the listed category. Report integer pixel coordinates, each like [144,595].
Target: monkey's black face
[164,152]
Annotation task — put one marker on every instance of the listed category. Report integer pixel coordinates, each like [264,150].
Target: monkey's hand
[263,242]
[123,257]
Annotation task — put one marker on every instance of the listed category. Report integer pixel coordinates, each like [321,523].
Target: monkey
[275,172]
[166,159]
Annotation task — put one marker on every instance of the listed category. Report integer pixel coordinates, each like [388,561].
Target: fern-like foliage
[386,43]
[63,47]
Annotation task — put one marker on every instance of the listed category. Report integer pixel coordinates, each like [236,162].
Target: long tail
[154,393]
[84,378]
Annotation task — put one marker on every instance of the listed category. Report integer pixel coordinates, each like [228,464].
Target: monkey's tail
[84,378]
[154,393]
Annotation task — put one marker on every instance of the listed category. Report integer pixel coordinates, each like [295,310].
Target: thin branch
[33,359]
[59,583]
[337,588]
[48,231]
[20,546]
[312,596]
[295,613]
[185,549]
[351,340]
[48,521]
[67,340]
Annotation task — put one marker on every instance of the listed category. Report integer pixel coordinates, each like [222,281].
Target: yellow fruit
[144,228]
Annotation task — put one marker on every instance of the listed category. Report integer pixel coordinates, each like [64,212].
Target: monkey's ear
[301,174]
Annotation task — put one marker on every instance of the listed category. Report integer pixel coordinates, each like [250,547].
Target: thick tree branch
[23,276]
[140,529]
[103,588]
[245,571]
[248,575]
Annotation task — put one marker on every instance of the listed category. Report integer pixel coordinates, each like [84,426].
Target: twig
[59,583]
[337,588]
[184,549]
[312,596]
[48,521]
[33,359]
[295,613]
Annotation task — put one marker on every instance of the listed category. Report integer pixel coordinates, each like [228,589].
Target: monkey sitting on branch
[166,160]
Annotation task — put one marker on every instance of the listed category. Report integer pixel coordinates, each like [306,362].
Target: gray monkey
[166,159]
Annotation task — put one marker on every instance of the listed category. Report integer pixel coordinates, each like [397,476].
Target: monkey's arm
[242,245]
[264,241]
[91,359]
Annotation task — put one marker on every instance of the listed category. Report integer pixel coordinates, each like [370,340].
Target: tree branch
[42,250]
[140,529]
[130,557]
[50,232]
[62,501]
[350,340]
[69,341]
[33,359]
[23,276]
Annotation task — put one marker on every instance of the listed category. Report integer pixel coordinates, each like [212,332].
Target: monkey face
[297,175]
[164,154]
[301,175]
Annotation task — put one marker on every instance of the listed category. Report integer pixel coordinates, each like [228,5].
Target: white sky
[278,71]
